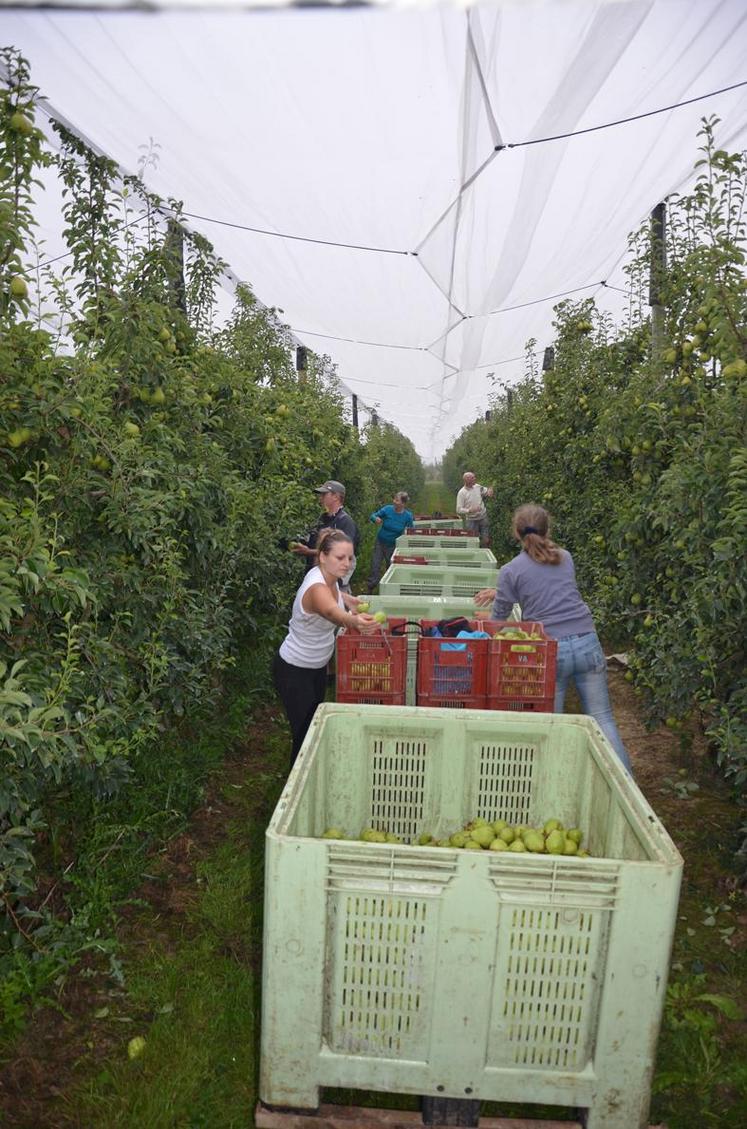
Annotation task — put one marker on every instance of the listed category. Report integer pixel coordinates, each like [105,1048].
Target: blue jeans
[581,658]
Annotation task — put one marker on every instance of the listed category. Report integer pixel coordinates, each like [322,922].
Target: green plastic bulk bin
[444,973]
[433,580]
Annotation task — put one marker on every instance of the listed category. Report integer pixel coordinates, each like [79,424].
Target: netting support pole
[657,275]
[175,259]
[302,363]
[354,402]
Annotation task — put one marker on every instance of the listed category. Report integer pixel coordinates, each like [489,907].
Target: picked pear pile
[516,633]
[480,835]
[367,835]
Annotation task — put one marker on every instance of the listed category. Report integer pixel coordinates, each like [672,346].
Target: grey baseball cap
[335,487]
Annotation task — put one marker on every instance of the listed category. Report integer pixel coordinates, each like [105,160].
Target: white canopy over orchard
[414,187]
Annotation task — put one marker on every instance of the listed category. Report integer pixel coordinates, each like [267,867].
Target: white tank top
[310,641]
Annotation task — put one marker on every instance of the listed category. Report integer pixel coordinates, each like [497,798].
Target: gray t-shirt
[547,593]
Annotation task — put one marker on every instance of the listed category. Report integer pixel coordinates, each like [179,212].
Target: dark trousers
[382,554]
[300,690]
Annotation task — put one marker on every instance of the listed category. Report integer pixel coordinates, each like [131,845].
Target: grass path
[435,498]
[194,966]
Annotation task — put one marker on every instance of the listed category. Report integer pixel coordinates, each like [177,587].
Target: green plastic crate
[432,580]
[409,542]
[439,523]
[445,558]
[433,971]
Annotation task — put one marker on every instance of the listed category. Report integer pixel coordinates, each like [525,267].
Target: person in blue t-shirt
[392,522]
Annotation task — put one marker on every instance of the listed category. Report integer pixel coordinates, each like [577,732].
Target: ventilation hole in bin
[548,990]
[398,785]
[379,965]
[505,782]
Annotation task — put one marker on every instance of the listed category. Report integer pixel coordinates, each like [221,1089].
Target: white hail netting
[379,128]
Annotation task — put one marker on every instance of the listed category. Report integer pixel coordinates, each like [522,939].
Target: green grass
[194,996]
[434,497]
[197,1067]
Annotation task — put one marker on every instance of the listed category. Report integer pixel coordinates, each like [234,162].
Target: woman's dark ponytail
[531,524]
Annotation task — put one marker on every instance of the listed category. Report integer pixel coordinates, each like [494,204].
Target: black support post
[302,363]
[175,265]
[450,1111]
[657,275]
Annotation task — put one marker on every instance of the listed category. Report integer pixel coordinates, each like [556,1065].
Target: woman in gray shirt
[542,580]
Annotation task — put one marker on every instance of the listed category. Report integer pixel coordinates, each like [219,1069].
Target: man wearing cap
[335,516]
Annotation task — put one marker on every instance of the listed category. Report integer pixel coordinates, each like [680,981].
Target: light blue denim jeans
[581,658]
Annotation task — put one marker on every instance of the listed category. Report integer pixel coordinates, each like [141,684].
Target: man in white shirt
[470,504]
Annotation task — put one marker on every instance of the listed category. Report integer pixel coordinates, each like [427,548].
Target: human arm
[410,523]
[302,550]
[506,595]
[484,597]
[351,602]
[486,491]
[377,516]
[461,504]
[318,600]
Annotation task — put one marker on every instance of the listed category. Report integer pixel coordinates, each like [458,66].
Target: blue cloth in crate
[464,635]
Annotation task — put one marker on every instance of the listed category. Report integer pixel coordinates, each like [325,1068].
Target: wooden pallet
[359,1117]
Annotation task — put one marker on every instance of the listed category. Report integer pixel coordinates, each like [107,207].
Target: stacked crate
[411,610]
[435,580]
[415,540]
[445,558]
[425,521]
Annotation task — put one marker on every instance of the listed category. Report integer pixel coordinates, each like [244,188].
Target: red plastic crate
[398,558]
[432,517]
[372,669]
[435,531]
[450,678]
[521,672]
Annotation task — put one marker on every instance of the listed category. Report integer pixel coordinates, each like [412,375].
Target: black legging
[301,690]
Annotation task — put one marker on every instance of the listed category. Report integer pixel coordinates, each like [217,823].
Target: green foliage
[148,468]
[21,154]
[390,464]
[695,1078]
[472,450]
[642,460]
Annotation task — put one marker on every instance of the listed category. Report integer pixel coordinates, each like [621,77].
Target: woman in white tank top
[320,607]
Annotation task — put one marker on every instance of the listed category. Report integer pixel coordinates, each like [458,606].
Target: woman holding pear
[300,665]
